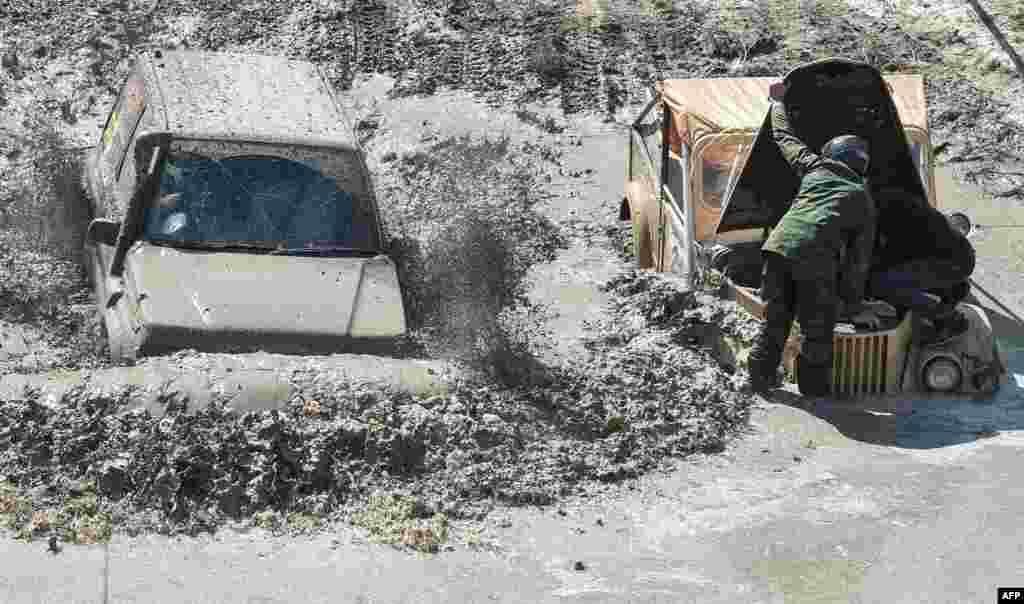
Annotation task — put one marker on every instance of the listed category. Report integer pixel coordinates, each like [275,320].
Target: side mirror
[103,231]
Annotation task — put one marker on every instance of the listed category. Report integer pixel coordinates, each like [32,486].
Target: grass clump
[394,520]
[78,520]
[304,521]
[738,29]
[96,528]
[15,509]
[84,505]
[266,520]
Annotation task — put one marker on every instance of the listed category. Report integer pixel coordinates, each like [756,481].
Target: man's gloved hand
[866,313]
[866,318]
[881,308]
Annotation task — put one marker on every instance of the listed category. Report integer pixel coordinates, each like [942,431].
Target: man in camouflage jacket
[928,275]
[828,230]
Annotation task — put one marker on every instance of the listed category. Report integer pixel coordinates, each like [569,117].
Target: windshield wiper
[328,249]
[215,245]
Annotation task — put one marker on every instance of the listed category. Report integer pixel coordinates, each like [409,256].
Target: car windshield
[261,197]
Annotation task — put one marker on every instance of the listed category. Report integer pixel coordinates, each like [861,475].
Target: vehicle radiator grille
[868,363]
[864,363]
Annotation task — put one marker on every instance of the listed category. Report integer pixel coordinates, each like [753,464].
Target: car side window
[720,162]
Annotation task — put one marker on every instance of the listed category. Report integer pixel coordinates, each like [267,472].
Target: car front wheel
[120,340]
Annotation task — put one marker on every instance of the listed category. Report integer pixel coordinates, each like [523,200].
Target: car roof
[246,97]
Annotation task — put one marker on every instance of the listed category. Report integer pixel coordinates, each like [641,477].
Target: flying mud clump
[464,223]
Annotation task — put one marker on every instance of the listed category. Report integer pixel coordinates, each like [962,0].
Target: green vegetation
[473,537]
[79,520]
[14,507]
[711,279]
[963,45]
[303,521]
[267,520]
[84,505]
[743,26]
[1011,15]
[393,520]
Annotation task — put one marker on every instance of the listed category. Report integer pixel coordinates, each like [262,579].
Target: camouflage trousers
[790,292]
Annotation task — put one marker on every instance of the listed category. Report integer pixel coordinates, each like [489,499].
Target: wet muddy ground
[268,432]
[627,386]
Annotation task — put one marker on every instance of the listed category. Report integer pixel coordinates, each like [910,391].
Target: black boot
[762,372]
[814,382]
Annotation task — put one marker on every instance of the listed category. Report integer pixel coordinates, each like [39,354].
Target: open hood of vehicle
[824,96]
[229,293]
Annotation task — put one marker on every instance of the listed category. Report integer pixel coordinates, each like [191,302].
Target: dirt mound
[652,393]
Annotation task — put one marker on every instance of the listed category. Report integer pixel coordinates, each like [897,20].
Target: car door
[118,176]
[640,190]
[659,238]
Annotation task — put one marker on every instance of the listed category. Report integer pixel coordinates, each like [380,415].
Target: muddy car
[706,183]
[233,210]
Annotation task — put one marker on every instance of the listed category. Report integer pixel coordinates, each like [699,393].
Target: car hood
[252,293]
[819,92]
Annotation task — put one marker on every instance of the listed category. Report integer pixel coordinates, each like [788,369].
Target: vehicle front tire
[120,342]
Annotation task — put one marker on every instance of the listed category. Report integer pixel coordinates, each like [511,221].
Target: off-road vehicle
[233,210]
[706,182]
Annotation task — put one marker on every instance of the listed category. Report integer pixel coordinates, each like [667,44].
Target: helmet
[849,149]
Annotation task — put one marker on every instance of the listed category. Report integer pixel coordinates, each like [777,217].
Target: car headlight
[960,223]
[942,374]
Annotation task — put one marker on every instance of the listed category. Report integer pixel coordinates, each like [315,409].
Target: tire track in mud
[503,53]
